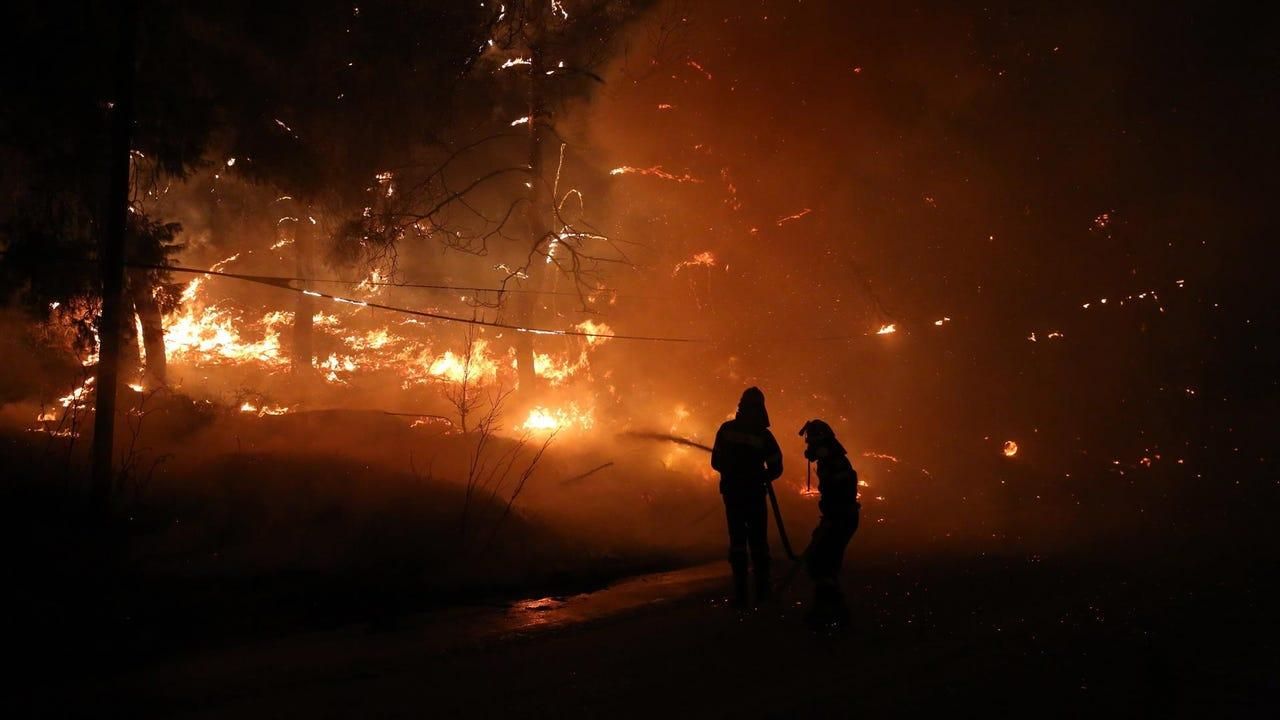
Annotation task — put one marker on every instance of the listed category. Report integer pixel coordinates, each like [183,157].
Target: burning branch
[583,476]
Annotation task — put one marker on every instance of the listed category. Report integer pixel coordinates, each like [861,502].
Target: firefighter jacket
[746,455]
[838,486]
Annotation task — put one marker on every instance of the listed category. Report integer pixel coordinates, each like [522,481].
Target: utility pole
[111,257]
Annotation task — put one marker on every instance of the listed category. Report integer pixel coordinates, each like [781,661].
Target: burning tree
[316,112]
[217,89]
[538,55]
[149,293]
[224,95]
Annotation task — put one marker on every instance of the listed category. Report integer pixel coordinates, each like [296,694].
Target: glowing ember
[699,68]
[224,262]
[1010,448]
[794,216]
[703,259]
[888,329]
[655,171]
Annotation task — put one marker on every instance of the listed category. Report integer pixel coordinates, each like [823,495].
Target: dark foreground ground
[1164,634]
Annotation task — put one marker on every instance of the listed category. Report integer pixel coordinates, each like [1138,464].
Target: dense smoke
[942,232]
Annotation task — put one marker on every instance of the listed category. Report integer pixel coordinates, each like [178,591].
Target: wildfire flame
[598,331]
[248,407]
[203,334]
[74,400]
[476,367]
[542,419]
[209,333]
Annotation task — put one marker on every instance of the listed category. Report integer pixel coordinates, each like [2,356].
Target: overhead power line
[283,283]
[383,283]
[430,286]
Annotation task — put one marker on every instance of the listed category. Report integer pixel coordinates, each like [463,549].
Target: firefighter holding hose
[838,504]
[748,458]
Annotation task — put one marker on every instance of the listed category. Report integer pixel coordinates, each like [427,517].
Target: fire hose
[773,497]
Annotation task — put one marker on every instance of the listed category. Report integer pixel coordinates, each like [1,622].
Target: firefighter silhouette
[748,458]
[838,503]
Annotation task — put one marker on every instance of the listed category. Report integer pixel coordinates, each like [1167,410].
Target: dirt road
[962,635]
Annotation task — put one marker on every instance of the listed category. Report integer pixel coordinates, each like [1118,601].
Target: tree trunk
[536,215]
[303,335]
[144,302]
[116,217]
[130,359]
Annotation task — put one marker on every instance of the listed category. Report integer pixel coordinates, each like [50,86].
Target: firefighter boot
[764,584]
[828,612]
[738,561]
[764,590]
